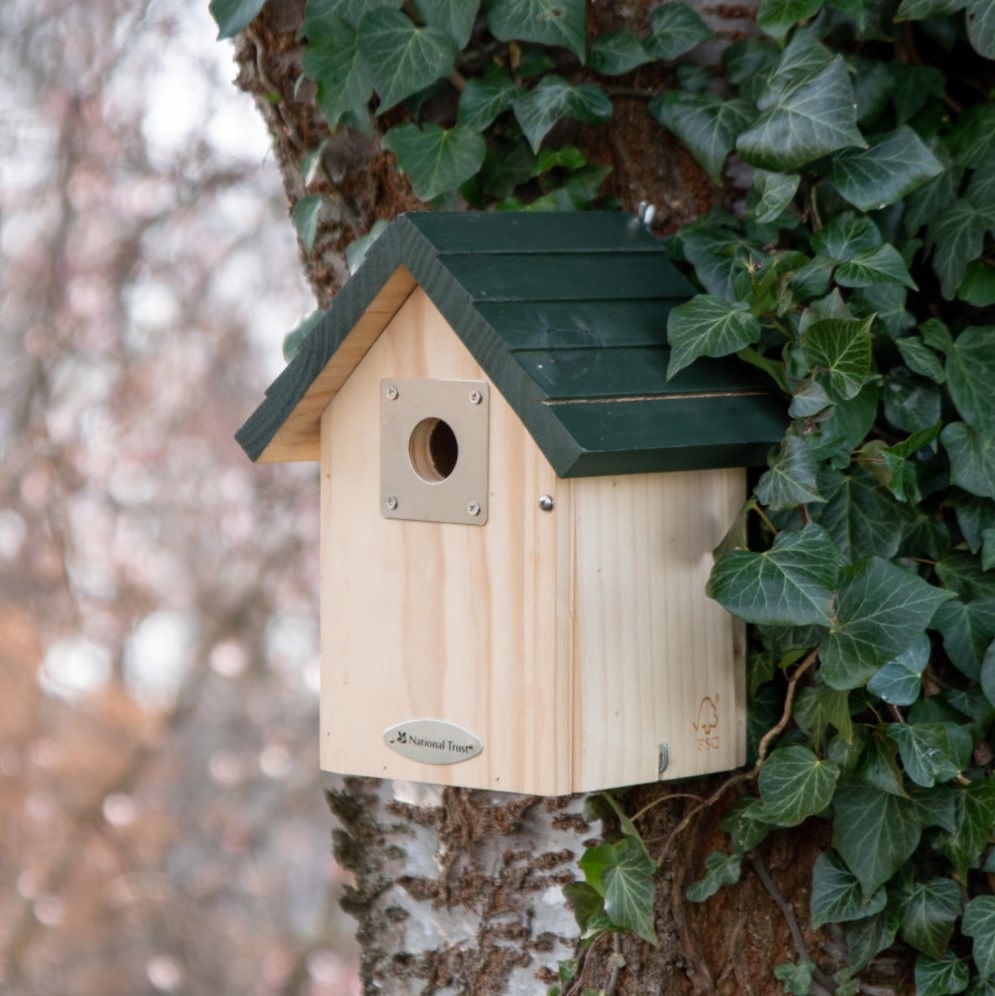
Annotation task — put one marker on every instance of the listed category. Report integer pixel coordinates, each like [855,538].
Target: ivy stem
[789,915]
[695,810]
[618,91]
[664,798]
[814,209]
[789,700]
[618,963]
[770,525]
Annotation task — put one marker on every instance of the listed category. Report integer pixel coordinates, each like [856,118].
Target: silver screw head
[473,508]
[391,393]
[546,503]
[390,503]
[476,397]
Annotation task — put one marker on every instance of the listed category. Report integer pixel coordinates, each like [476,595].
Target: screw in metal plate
[546,503]
[391,393]
[390,503]
[473,508]
[476,397]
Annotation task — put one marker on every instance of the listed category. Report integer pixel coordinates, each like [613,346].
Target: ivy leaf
[675,28]
[867,938]
[305,217]
[720,869]
[913,87]
[795,979]
[879,767]
[979,924]
[974,818]
[745,833]
[789,585]
[778,17]
[843,350]
[629,889]
[874,832]
[435,160]
[349,11]
[837,896]
[846,237]
[720,256]
[939,977]
[955,237]
[539,109]
[454,17]
[932,752]
[899,681]
[972,458]
[233,16]
[916,10]
[548,22]
[886,172]
[586,902]
[987,676]
[705,123]
[794,785]
[963,574]
[617,52]
[978,286]
[967,629]
[883,264]
[333,60]
[708,326]
[971,375]
[920,359]
[776,190]
[401,57]
[880,610]
[981,27]
[809,399]
[931,199]
[802,120]
[844,427]
[860,515]
[802,56]
[791,479]
[594,862]
[819,707]
[484,98]
[928,911]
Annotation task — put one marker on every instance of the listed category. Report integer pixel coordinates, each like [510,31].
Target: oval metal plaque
[432,741]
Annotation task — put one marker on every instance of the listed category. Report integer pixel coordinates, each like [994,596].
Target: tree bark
[456,891]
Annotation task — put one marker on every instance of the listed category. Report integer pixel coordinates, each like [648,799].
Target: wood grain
[439,620]
[572,642]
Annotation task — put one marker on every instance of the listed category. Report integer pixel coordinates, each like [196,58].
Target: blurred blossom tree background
[161,819]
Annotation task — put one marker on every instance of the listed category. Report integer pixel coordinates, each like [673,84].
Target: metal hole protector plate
[432,741]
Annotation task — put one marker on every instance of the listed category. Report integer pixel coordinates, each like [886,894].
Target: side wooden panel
[434,620]
[657,662]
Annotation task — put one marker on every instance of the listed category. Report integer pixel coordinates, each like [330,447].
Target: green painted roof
[567,316]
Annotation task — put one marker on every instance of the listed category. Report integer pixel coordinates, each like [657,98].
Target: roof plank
[566,314]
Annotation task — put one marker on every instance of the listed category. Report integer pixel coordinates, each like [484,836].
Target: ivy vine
[860,276]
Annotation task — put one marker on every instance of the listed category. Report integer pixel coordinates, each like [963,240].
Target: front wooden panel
[657,661]
[425,620]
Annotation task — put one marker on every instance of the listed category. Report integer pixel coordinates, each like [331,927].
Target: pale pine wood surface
[439,620]
[649,646]
[298,436]
[571,642]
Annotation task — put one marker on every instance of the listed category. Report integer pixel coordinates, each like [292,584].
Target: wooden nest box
[518,509]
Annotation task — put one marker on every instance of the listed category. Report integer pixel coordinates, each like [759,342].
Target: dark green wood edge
[405,243]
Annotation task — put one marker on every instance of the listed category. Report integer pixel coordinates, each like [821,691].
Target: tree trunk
[459,891]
